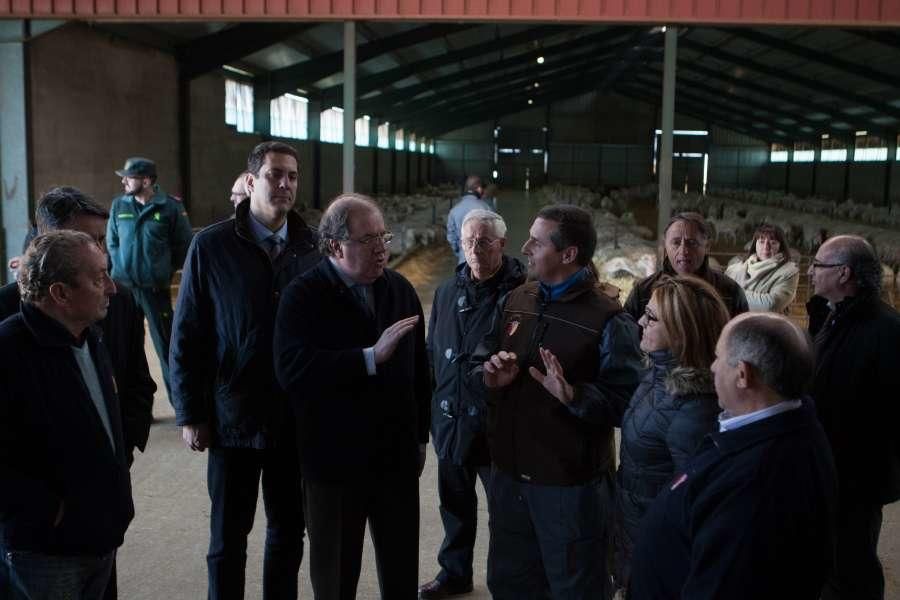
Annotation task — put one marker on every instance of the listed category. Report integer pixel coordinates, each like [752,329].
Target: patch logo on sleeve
[511,328]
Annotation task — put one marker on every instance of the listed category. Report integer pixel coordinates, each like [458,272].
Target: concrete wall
[96,100]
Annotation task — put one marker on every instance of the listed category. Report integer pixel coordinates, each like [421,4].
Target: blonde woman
[674,406]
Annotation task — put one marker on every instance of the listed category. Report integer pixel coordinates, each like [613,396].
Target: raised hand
[500,369]
[390,337]
[554,381]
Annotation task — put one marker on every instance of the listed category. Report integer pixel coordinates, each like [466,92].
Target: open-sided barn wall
[96,100]
[736,160]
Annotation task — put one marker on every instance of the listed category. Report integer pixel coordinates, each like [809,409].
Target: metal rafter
[309,71]
[776,95]
[882,37]
[212,51]
[566,51]
[791,77]
[364,85]
[834,62]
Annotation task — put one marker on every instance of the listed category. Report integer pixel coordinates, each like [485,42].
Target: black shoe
[441,589]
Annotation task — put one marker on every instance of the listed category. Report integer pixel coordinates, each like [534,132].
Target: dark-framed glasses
[385,238]
[651,318]
[480,243]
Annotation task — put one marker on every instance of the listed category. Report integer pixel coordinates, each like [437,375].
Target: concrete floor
[165,548]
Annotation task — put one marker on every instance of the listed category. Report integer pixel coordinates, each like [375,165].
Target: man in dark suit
[66,499]
[752,515]
[224,390]
[856,388]
[350,351]
[122,329]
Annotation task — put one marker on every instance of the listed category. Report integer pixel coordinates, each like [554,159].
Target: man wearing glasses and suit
[350,351]
[855,388]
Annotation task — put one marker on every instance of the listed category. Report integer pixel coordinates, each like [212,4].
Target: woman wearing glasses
[768,275]
[674,406]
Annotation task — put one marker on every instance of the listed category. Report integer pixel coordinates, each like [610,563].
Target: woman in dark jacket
[674,406]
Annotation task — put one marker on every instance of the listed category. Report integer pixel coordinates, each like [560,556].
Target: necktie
[362,295]
[274,243]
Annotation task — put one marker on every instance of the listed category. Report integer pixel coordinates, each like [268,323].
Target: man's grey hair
[498,225]
[778,351]
[860,257]
[335,223]
[52,257]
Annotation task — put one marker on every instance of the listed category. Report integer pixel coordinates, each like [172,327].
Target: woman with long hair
[674,406]
[768,275]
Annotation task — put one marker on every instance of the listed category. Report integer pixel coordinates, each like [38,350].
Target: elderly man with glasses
[461,316]
[855,388]
[350,351]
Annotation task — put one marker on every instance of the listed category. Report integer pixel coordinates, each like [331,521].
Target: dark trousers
[233,476]
[35,576]
[157,307]
[857,574]
[549,541]
[336,516]
[459,514]
[112,586]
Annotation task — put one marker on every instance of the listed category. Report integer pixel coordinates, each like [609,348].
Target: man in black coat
[462,314]
[752,514]
[224,389]
[350,351]
[686,246]
[66,499]
[856,389]
[122,328]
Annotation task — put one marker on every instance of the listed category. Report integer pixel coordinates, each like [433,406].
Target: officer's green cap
[138,167]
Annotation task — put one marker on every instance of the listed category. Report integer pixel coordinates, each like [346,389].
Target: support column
[668,124]
[349,166]
[15,139]
[392,145]
[851,154]
[313,133]
[373,144]
[817,158]
[787,169]
[888,168]
[262,106]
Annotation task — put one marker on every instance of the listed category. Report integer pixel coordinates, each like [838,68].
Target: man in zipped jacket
[568,362]
[224,389]
[462,314]
[66,499]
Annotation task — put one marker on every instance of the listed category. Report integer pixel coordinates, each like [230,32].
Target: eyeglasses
[384,238]
[651,318]
[820,265]
[480,243]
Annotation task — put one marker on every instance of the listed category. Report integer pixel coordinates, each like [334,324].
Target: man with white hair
[752,514]
[462,314]
[856,388]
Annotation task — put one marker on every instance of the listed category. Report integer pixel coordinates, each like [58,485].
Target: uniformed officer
[147,237]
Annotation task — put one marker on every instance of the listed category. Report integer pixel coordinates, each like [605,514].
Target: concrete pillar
[891,142]
[349,148]
[668,124]
[313,132]
[15,151]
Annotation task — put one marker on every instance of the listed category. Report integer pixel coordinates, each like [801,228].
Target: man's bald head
[859,256]
[779,352]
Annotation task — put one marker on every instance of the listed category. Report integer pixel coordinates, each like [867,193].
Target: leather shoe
[442,589]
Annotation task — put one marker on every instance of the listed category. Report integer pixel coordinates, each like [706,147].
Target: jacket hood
[682,381]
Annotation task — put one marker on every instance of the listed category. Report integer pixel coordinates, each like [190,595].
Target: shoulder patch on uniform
[125,215]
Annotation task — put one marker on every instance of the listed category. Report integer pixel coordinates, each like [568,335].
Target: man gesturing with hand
[567,364]
[350,351]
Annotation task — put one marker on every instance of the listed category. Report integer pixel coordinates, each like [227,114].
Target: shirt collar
[555,291]
[729,423]
[261,232]
[343,276]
